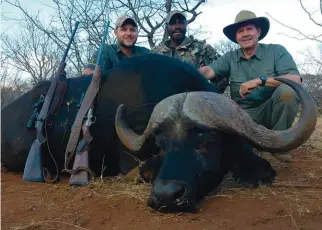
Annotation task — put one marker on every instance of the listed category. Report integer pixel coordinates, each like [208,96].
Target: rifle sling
[82,146]
[87,101]
[58,97]
[47,176]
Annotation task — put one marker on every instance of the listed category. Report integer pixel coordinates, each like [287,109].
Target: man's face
[247,36]
[126,35]
[177,27]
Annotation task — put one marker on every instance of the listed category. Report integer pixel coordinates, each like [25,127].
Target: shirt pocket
[238,77]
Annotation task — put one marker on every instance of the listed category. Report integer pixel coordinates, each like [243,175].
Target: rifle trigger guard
[81,145]
[49,124]
[93,120]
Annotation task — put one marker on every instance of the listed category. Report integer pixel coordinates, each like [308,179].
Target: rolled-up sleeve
[284,62]
[221,66]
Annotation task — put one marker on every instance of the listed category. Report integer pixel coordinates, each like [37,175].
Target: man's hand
[87,71]
[207,72]
[247,87]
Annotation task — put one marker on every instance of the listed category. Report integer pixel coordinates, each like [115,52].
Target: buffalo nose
[169,196]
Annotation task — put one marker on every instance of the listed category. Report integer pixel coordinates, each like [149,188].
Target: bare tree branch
[30,52]
[310,14]
[299,33]
[48,38]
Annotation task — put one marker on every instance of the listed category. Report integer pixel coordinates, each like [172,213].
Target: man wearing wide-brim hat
[251,69]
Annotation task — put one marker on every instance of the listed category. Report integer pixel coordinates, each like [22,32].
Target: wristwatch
[264,79]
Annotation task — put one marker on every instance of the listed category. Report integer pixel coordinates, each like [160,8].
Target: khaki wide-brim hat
[243,18]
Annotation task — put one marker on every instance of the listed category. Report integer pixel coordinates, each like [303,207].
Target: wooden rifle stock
[81,166]
[33,170]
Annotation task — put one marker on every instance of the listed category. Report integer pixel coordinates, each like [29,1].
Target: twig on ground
[47,221]
[293,221]
[304,186]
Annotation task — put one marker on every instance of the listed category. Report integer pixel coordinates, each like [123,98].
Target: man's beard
[176,39]
[127,46]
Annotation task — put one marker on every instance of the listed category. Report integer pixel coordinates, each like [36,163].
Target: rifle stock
[79,173]
[33,168]
[33,171]
[81,177]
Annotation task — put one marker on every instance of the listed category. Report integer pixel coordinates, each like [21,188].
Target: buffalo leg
[246,166]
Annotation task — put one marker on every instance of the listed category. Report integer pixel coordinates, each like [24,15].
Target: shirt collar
[118,48]
[258,53]
[184,45]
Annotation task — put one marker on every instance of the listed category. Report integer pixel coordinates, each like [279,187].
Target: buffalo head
[190,127]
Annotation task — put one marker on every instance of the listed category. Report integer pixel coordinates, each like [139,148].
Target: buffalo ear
[149,170]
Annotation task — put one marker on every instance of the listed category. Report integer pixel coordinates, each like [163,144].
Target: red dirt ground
[293,202]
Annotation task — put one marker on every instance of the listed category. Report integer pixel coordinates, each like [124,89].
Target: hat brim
[129,21]
[262,22]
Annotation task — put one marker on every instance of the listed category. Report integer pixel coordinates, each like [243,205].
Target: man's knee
[285,94]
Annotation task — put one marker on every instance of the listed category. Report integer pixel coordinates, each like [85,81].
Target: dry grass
[298,188]
[120,186]
[302,192]
[314,143]
[46,224]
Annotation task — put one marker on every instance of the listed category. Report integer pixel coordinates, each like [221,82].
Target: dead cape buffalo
[189,141]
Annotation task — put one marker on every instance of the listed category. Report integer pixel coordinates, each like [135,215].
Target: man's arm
[207,72]
[87,71]
[285,68]
[247,87]
[218,67]
[273,83]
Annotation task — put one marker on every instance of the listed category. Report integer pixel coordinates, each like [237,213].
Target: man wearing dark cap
[251,69]
[126,34]
[188,49]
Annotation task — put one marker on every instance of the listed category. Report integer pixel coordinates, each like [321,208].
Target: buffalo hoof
[170,197]
[254,170]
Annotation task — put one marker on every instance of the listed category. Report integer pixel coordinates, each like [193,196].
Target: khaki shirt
[195,52]
[269,59]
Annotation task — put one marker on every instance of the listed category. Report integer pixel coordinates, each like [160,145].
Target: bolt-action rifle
[80,172]
[34,168]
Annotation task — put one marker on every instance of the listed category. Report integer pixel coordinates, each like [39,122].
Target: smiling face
[126,34]
[247,36]
[177,27]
